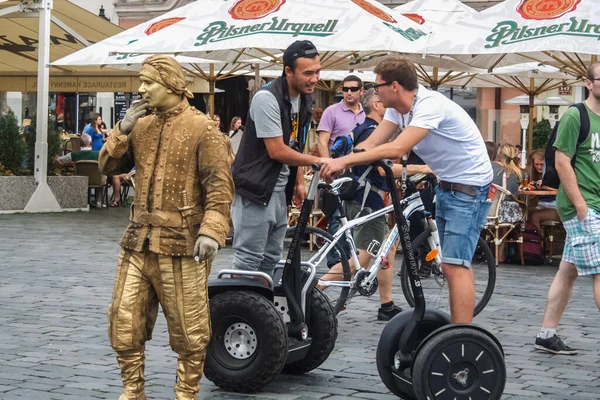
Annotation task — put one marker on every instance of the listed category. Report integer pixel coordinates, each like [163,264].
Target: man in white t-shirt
[446,138]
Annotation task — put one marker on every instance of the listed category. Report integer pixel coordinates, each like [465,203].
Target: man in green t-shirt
[578,203]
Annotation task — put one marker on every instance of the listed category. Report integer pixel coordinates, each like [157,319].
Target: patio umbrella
[436,14]
[563,34]
[71,29]
[33,33]
[344,31]
[99,54]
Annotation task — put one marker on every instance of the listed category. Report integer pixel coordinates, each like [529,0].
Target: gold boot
[189,372]
[132,374]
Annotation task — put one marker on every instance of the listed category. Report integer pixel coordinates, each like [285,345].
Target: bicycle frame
[410,205]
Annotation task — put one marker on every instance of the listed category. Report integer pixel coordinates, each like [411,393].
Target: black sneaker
[385,314]
[554,345]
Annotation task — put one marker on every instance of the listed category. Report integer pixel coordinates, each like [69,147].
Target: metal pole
[211,91]
[43,199]
[531,104]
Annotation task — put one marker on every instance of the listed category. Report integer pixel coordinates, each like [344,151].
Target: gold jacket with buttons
[183,184]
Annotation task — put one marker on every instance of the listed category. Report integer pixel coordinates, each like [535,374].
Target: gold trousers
[179,284]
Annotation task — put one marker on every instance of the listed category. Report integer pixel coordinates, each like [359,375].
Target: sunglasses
[378,85]
[352,89]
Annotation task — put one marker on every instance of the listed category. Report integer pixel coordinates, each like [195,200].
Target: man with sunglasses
[446,138]
[339,120]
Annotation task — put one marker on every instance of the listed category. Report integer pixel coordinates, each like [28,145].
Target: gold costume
[183,189]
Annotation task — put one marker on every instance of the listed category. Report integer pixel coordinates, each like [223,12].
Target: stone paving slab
[57,272]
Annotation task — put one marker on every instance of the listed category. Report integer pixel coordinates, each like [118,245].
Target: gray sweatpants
[258,233]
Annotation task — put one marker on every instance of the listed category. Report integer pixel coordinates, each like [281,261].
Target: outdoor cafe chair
[498,231]
[96,180]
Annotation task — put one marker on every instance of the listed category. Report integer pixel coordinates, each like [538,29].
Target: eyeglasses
[378,85]
[595,79]
[352,89]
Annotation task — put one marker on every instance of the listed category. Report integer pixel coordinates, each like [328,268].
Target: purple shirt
[339,120]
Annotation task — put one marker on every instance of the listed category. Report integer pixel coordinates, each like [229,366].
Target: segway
[422,355]
[262,326]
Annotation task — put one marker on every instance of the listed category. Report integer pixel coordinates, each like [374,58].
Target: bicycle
[364,280]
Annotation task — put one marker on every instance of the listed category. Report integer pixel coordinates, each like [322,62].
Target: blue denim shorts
[460,218]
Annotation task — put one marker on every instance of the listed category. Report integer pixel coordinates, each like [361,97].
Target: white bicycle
[364,280]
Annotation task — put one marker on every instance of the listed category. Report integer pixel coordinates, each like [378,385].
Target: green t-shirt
[587,163]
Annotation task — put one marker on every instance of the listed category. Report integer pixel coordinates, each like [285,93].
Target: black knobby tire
[435,287]
[461,348]
[265,325]
[336,295]
[390,339]
[322,329]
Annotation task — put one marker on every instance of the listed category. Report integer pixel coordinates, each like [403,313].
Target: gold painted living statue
[179,219]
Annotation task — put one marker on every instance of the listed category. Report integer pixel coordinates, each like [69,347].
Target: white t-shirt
[454,148]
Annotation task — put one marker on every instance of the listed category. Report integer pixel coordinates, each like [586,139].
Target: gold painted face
[156,95]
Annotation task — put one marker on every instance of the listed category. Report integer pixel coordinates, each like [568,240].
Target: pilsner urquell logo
[507,32]
[219,30]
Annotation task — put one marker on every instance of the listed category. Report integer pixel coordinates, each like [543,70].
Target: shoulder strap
[584,123]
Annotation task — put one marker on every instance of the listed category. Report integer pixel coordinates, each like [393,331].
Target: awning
[73,28]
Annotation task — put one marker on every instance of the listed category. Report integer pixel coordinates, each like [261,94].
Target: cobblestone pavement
[57,272]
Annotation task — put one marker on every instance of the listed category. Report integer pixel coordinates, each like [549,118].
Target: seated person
[506,169]
[546,207]
[117,182]
[507,174]
[86,152]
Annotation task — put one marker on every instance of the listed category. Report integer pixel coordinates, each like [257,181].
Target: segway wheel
[460,362]
[399,382]
[249,342]
[322,329]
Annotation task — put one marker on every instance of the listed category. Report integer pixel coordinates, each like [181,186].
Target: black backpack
[550,177]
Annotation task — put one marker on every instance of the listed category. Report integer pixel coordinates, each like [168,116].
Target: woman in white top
[235,133]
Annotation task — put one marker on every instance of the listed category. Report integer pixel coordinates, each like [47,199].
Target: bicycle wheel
[320,240]
[435,287]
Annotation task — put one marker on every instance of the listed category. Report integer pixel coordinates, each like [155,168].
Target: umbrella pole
[331,92]
[530,127]
[211,91]
[43,199]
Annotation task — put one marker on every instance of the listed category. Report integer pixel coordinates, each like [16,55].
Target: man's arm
[64,159]
[324,137]
[380,135]
[393,150]
[411,169]
[116,156]
[279,151]
[568,180]
[266,115]
[215,176]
